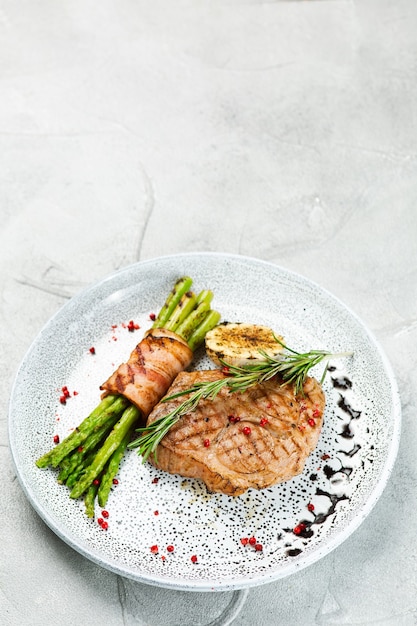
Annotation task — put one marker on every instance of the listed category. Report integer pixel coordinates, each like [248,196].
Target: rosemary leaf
[293,368]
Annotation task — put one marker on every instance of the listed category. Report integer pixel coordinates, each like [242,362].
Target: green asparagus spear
[69,464]
[184,307]
[106,432]
[180,288]
[79,470]
[111,470]
[123,426]
[197,336]
[89,499]
[187,326]
[107,407]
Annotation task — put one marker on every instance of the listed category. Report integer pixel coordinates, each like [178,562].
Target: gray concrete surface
[281,130]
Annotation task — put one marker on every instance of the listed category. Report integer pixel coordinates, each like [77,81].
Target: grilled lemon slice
[241,344]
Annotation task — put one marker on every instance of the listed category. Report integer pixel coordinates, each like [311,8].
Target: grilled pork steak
[213,442]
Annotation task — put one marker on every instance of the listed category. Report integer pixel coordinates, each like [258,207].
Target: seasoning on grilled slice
[241,344]
[241,440]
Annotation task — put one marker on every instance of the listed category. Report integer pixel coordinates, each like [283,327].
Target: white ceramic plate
[343,478]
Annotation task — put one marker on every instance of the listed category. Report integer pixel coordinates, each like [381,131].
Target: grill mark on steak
[234,462]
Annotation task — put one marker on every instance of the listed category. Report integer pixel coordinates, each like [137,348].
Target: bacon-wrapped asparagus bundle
[150,370]
[89,457]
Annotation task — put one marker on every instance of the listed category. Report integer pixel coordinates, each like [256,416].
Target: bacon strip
[150,370]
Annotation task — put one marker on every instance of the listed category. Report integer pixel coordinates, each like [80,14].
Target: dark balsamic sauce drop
[352,452]
[339,382]
[354,414]
[347,433]
[294,552]
[328,471]
[307,531]
[343,382]
[320,518]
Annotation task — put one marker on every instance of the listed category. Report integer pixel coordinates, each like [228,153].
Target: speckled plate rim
[331,543]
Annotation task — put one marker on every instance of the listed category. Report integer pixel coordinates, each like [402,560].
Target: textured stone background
[281,130]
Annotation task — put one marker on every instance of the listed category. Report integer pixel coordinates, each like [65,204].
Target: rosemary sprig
[292,366]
